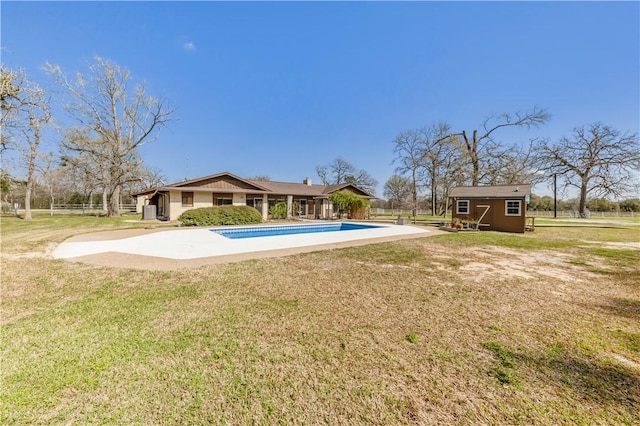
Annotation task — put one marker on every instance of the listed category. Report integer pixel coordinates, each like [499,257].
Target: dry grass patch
[495,329]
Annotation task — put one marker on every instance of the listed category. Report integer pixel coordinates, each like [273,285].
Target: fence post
[82,209]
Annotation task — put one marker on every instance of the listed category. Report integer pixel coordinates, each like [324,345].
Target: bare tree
[453,172]
[482,148]
[439,148]
[261,178]
[116,118]
[362,179]
[25,111]
[431,156]
[323,174]
[90,167]
[6,190]
[513,165]
[336,172]
[39,115]
[596,159]
[342,171]
[12,84]
[151,177]
[409,152]
[52,177]
[397,190]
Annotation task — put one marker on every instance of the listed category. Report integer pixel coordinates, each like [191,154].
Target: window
[512,208]
[187,199]
[302,207]
[222,199]
[462,207]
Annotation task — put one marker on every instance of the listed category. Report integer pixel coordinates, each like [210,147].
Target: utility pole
[555,196]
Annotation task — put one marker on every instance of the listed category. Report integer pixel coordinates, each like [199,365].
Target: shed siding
[495,219]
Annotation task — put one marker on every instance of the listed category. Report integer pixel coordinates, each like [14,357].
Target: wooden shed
[495,207]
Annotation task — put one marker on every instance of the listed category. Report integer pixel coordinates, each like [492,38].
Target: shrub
[220,215]
[279,211]
[348,201]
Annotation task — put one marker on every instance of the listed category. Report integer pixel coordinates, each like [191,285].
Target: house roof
[293,188]
[492,191]
[194,182]
[257,187]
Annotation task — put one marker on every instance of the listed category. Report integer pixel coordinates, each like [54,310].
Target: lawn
[485,328]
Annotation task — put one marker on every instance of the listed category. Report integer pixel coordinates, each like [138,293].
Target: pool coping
[150,262]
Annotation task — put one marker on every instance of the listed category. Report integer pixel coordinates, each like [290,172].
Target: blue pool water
[270,231]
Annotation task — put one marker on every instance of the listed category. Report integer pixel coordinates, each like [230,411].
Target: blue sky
[278,88]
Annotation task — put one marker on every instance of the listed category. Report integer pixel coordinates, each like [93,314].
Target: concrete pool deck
[166,249]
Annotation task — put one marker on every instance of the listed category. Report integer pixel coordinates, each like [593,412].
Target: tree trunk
[414,196]
[475,163]
[472,150]
[33,152]
[434,194]
[52,199]
[104,199]
[583,198]
[114,203]
[27,200]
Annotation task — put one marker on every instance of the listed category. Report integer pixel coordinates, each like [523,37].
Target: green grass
[434,330]
[44,229]
[412,338]
[504,371]
[553,238]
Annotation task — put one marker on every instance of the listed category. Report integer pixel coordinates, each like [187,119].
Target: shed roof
[491,191]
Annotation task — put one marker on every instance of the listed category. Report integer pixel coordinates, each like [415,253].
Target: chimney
[307,181]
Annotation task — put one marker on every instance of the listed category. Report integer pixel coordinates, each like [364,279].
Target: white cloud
[189,46]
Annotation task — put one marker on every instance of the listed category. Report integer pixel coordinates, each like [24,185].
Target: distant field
[485,328]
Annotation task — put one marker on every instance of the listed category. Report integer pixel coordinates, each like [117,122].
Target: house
[309,200]
[496,207]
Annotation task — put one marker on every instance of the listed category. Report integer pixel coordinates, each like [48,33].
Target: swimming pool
[202,243]
[270,231]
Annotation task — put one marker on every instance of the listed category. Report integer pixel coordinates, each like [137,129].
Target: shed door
[483,214]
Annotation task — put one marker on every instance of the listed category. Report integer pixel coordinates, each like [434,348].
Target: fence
[86,209]
[536,213]
[396,212]
[573,213]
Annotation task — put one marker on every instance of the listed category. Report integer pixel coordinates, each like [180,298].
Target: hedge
[221,215]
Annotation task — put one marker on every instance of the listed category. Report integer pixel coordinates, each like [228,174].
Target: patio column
[289,206]
[265,207]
